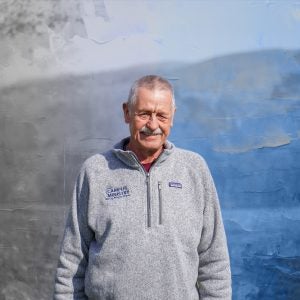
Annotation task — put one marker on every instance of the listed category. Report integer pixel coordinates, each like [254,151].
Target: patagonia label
[117,192]
[175,184]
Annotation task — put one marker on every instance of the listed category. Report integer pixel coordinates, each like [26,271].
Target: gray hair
[151,82]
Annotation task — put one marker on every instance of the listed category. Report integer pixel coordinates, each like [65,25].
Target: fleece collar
[130,159]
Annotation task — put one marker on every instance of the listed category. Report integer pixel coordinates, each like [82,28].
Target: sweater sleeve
[214,276]
[73,260]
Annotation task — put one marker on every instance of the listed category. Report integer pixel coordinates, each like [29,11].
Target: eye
[162,117]
[143,115]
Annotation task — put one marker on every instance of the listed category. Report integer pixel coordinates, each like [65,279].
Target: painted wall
[66,67]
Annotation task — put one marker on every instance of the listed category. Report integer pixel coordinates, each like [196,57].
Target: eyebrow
[159,111]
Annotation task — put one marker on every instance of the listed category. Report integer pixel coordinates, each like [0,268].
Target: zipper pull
[159,185]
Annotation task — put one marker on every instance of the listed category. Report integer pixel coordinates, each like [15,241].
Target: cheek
[136,126]
[166,128]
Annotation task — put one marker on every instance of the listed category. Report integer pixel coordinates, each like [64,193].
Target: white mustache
[148,131]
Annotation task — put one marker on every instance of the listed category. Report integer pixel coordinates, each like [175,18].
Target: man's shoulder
[98,160]
[192,160]
[188,155]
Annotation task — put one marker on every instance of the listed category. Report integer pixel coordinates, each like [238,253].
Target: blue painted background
[242,113]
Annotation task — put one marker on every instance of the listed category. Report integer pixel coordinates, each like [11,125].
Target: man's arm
[214,276]
[69,281]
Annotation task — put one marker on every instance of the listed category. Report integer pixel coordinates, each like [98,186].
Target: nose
[152,122]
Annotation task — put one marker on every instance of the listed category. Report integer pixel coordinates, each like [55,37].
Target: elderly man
[145,220]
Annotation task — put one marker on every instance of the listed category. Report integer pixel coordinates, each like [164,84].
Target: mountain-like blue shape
[242,113]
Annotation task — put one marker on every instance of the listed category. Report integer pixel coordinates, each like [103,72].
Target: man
[145,221]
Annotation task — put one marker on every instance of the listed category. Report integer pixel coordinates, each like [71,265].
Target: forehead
[153,99]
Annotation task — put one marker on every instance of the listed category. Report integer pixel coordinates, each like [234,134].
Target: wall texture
[240,111]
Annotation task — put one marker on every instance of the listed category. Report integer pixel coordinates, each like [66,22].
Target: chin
[152,146]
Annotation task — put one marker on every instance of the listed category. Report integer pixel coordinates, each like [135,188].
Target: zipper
[159,203]
[148,200]
[149,194]
[148,191]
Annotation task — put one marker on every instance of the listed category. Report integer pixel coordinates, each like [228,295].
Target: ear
[174,110]
[126,113]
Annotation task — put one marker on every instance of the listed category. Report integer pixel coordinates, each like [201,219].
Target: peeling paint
[266,142]
[15,209]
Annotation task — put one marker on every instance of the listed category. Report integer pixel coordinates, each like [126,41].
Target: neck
[144,156]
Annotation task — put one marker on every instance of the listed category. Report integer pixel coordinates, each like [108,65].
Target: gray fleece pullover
[137,235]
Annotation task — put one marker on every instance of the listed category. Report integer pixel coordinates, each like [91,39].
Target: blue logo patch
[175,184]
[117,192]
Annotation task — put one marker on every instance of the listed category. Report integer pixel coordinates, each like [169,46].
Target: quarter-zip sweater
[154,235]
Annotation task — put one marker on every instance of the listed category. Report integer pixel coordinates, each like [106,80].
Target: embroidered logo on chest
[116,192]
[175,184]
